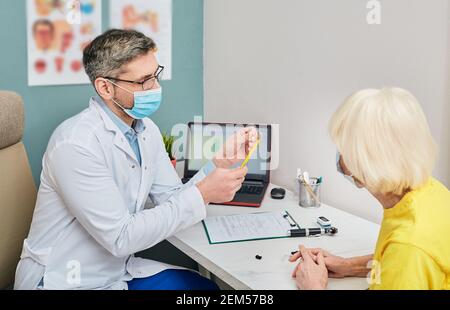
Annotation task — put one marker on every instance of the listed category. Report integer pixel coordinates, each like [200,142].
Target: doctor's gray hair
[109,52]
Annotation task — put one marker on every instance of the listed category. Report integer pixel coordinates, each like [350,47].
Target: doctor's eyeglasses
[147,83]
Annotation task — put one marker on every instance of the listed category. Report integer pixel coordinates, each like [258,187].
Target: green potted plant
[168,142]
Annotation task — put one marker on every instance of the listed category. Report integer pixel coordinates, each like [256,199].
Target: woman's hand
[311,273]
[338,267]
[236,148]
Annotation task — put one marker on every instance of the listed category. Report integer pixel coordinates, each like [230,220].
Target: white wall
[292,62]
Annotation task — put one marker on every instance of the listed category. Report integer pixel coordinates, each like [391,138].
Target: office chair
[17,188]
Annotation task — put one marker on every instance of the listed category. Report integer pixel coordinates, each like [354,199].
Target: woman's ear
[104,88]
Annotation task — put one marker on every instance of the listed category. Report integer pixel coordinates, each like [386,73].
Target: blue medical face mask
[339,169]
[146,103]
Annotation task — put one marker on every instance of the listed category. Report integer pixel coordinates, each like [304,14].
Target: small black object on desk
[278,193]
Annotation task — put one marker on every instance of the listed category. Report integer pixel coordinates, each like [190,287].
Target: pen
[250,154]
[306,177]
[310,191]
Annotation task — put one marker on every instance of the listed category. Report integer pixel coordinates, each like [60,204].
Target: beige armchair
[17,188]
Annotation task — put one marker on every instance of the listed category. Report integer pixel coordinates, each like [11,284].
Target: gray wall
[292,62]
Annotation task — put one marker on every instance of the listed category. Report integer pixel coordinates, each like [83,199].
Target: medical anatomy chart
[153,18]
[58,31]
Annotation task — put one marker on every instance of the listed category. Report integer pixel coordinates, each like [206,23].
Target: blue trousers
[173,280]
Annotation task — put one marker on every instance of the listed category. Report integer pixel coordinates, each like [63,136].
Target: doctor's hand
[236,148]
[222,184]
[311,273]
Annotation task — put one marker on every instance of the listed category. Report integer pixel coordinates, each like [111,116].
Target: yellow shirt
[413,248]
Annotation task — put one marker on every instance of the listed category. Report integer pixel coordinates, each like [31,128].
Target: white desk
[235,263]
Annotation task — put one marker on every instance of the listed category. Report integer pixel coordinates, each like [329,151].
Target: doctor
[98,171]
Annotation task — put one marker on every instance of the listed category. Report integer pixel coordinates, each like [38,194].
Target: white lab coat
[90,219]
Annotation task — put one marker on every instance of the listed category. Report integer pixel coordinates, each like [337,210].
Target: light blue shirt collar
[131,134]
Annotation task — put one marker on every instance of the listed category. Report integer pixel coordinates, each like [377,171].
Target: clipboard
[249,227]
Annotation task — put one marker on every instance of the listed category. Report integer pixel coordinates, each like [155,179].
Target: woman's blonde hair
[384,139]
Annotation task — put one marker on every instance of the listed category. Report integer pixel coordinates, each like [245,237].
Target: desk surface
[235,263]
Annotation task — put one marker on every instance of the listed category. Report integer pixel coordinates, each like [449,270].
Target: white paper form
[247,227]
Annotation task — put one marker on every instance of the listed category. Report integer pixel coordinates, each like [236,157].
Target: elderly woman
[385,145]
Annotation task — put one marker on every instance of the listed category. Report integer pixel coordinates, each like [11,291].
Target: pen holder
[309,197]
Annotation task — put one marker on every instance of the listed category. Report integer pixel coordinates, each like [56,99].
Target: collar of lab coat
[119,138]
[137,128]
